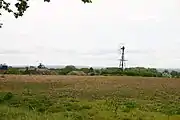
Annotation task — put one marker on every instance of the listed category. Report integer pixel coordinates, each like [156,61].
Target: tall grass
[89,98]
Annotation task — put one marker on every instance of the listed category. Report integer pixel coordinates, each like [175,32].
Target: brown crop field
[89,98]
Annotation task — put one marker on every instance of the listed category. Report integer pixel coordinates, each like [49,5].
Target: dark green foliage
[91,69]
[166,71]
[14,71]
[85,70]
[66,70]
[175,74]
[8,96]
[91,73]
[144,72]
[70,67]
[129,105]
[111,71]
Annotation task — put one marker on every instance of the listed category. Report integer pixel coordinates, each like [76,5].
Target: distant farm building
[36,71]
[3,68]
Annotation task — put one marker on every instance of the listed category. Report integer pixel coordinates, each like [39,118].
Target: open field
[89,98]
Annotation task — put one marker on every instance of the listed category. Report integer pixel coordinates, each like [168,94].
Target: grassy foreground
[89,98]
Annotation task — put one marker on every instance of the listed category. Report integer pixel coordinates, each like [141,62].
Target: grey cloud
[16,52]
[89,35]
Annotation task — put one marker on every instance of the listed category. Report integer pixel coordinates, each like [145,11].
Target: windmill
[122,59]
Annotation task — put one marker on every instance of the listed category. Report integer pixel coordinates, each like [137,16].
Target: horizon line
[81,66]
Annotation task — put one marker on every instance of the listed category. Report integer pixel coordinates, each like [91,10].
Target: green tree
[13,71]
[67,69]
[70,67]
[174,73]
[85,70]
[21,6]
[111,71]
[91,69]
[166,71]
[97,71]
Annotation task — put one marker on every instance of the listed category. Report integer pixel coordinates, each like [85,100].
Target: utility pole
[122,60]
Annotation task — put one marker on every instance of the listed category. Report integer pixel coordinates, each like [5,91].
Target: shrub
[8,96]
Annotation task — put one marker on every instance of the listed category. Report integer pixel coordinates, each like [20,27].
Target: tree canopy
[21,6]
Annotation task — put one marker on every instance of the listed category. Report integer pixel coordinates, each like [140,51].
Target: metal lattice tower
[122,60]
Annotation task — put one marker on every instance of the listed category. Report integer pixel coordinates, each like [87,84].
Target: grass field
[89,98]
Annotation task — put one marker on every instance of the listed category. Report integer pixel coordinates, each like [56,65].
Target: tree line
[109,71]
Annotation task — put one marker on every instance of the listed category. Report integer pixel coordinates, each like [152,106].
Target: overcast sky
[66,32]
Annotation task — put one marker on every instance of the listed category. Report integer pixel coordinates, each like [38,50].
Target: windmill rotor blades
[121,45]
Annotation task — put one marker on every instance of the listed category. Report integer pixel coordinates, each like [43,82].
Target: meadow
[53,97]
